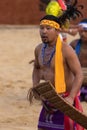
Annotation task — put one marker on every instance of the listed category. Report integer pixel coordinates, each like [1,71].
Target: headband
[50,23]
[84,25]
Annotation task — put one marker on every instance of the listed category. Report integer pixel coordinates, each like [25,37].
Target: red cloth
[69,123]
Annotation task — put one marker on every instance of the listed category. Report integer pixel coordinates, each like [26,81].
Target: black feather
[72,12]
[45,1]
[75,3]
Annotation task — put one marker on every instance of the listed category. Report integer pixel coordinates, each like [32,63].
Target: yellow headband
[50,23]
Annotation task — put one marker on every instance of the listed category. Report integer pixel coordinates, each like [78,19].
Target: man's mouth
[44,37]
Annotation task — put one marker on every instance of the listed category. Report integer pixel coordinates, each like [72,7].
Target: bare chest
[46,57]
[83,57]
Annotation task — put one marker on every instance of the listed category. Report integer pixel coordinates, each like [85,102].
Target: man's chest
[83,57]
[46,56]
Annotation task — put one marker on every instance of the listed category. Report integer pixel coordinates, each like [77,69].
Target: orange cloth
[60,85]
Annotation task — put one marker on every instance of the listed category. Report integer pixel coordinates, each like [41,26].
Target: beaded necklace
[43,55]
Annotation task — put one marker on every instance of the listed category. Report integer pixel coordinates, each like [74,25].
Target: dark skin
[83,52]
[73,73]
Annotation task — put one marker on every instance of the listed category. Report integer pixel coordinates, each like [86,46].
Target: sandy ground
[16,50]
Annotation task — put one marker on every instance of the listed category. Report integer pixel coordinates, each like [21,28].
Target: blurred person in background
[80,46]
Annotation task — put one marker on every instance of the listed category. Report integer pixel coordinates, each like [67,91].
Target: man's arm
[36,68]
[75,67]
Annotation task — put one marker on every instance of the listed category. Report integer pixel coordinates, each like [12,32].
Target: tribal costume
[53,119]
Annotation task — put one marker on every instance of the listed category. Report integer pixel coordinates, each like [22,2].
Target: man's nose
[44,30]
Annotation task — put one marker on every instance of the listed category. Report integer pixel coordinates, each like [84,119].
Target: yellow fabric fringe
[60,85]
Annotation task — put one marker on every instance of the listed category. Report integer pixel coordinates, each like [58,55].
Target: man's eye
[41,27]
[48,28]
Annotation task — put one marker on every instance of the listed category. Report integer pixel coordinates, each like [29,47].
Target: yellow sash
[59,68]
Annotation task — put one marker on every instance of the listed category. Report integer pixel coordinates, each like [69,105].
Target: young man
[56,61]
[80,46]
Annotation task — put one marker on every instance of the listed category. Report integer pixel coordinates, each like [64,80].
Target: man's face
[83,34]
[48,34]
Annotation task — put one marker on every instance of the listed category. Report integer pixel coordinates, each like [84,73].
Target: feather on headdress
[72,12]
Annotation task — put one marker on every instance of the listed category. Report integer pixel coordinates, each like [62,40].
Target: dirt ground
[17,45]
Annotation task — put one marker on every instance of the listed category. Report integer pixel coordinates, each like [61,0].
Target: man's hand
[70,100]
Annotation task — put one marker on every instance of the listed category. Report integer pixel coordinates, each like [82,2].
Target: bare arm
[35,78]
[35,74]
[70,31]
[74,65]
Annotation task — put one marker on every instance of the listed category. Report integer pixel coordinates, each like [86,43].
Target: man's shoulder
[74,43]
[67,50]
[38,46]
